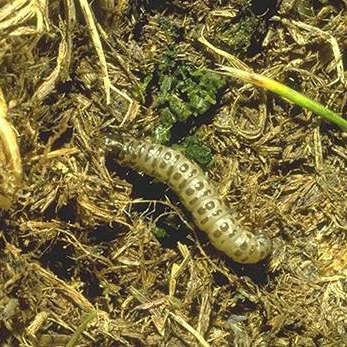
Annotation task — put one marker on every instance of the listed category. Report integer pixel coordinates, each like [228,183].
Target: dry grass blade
[19,12]
[177,270]
[37,323]
[10,153]
[89,17]
[233,61]
[338,62]
[158,316]
[12,7]
[189,328]
[63,61]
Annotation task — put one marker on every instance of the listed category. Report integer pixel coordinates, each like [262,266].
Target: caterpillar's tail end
[250,248]
[264,245]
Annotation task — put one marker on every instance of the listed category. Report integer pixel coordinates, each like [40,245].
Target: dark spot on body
[244,259]
[159,150]
[210,205]
[142,149]
[206,192]
[167,156]
[193,201]
[238,253]
[217,233]
[182,185]
[217,213]
[162,165]
[199,185]
[261,242]
[184,167]
[193,172]
[204,221]
[201,210]
[177,176]
[244,245]
[189,191]
[231,234]
[149,152]
[170,170]
[224,226]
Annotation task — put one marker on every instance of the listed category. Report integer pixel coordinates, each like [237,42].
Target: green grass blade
[287,93]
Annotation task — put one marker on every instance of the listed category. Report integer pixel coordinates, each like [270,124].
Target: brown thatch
[79,261]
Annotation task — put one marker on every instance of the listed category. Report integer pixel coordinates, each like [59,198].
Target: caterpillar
[197,194]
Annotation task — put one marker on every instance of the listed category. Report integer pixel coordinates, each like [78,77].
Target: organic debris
[95,254]
[184,93]
[10,159]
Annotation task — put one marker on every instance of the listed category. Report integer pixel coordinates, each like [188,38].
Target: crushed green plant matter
[195,149]
[238,32]
[160,233]
[237,37]
[183,92]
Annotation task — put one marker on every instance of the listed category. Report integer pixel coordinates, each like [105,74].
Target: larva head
[113,142]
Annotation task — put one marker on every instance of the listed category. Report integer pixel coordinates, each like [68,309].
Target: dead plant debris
[80,263]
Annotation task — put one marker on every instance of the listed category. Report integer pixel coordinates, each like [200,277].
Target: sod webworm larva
[197,194]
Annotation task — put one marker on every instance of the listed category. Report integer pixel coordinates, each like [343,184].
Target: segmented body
[198,195]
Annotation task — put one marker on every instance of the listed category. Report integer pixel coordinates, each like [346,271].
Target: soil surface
[93,253]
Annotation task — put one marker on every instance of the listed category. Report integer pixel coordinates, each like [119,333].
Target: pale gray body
[197,194]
